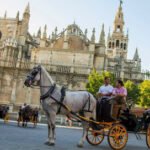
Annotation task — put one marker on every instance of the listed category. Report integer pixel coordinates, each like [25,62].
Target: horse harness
[49,94]
[63,94]
[83,108]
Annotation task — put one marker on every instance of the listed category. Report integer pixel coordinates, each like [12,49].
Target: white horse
[51,95]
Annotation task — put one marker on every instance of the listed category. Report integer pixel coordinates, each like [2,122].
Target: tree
[133,90]
[145,93]
[95,80]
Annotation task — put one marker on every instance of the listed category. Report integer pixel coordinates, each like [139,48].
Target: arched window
[117,43]
[113,45]
[109,44]
[125,46]
[74,30]
[121,46]
[118,28]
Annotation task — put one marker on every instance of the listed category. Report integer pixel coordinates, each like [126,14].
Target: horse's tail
[94,112]
[94,106]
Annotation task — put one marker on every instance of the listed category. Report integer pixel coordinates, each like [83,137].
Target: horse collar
[48,93]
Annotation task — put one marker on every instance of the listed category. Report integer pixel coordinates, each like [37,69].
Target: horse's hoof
[49,144]
[80,145]
[46,143]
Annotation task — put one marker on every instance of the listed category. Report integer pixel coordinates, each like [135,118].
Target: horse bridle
[31,77]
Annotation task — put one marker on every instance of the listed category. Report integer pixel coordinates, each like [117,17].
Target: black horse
[28,114]
[3,111]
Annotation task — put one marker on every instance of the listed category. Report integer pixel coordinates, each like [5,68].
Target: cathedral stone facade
[69,56]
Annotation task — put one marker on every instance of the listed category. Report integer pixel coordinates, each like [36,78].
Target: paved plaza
[13,137]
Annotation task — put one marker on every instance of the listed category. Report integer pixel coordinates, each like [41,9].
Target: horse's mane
[46,73]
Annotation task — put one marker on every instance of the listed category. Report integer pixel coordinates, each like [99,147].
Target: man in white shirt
[105,91]
[103,106]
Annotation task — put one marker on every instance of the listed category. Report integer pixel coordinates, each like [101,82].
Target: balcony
[59,68]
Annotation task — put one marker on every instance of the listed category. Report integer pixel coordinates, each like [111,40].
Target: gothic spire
[85,34]
[121,2]
[93,36]
[136,55]
[102,36]
[108,34]
[119,19]
[53,36]
[39,33]
[27,9]
[56,31]
[45,32]
[17,16]
[5,15]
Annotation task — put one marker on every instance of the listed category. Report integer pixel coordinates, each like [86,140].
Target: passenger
[118,97]
[120,93]
[103,109]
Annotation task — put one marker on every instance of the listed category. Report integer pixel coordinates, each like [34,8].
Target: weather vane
[121,2]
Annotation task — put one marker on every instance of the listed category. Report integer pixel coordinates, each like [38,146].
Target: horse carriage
[117,132]
[4,113]
[80,105]
[27,114]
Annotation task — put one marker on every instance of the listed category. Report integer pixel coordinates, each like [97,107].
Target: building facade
[69,56]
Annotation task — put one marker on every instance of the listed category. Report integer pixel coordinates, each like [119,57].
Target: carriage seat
[116,110]
[117,105]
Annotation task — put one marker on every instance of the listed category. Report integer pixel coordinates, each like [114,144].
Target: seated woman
[119,96]
[120,92]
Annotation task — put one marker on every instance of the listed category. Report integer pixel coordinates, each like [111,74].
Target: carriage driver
[103,108]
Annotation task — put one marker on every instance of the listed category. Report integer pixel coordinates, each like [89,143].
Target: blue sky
[89,14]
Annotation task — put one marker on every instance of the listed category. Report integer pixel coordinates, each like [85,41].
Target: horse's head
[33,77]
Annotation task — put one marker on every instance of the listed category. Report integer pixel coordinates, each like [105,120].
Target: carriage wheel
[117,137]
[94,137]
[6,118]
[148,136]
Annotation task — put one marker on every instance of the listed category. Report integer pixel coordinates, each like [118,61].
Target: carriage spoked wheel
[148,136]
[117,137]
[95,137]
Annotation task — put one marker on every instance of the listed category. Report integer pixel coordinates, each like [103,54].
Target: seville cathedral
[69,56]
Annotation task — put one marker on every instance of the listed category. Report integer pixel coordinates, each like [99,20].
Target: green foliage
[139,93]
[95,80]
[133,91]
[145,93]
